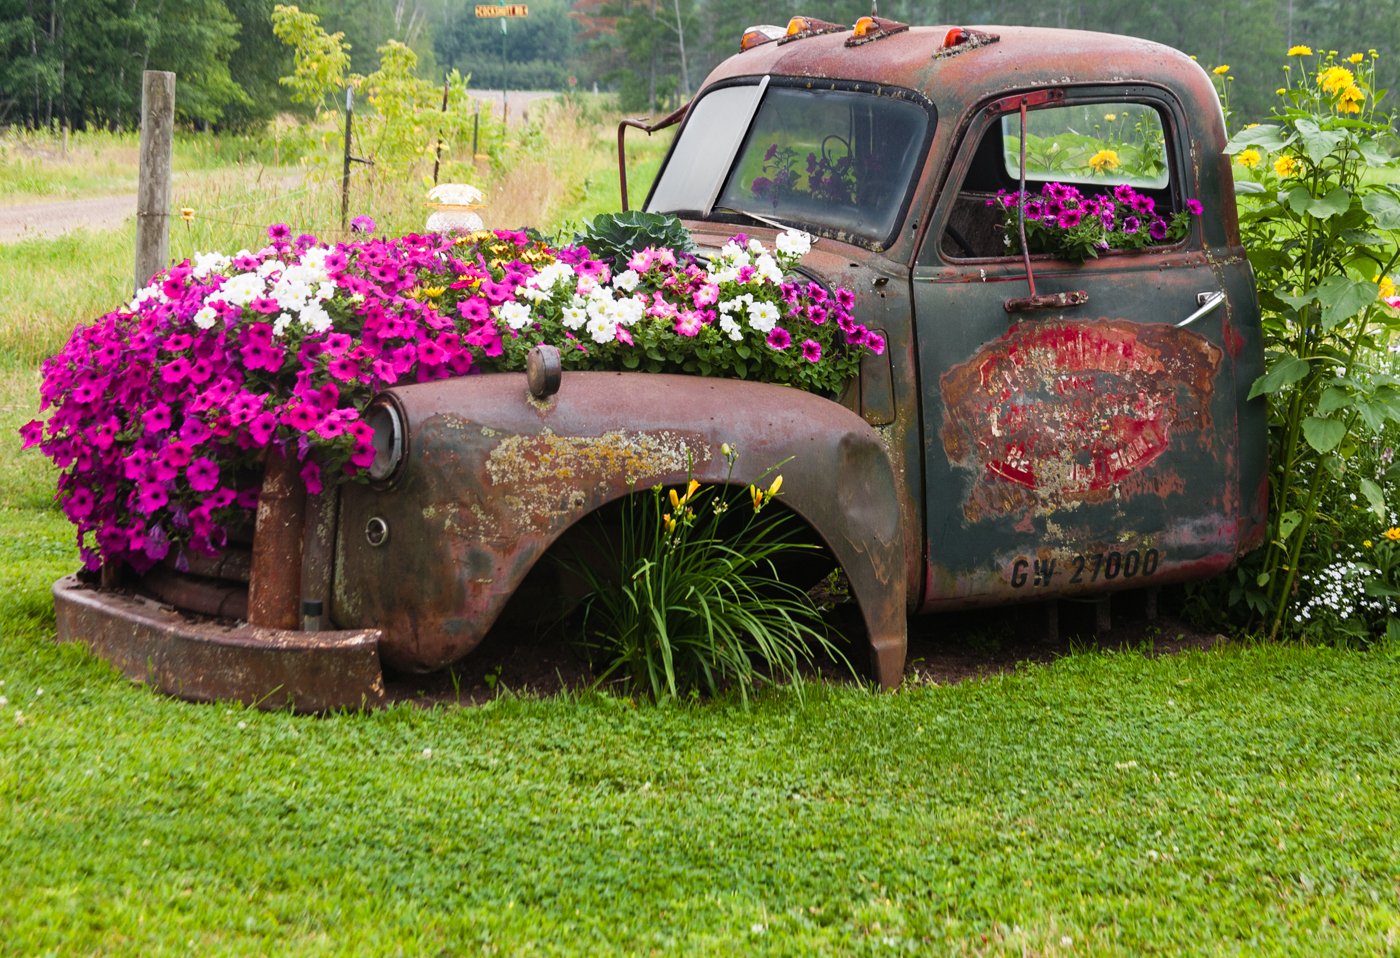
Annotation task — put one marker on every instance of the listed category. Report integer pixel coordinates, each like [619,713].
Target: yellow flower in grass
[1385,287]
[1110,117]
[1286,166]
[1366,543]
[1104,161]
[1335,79]
[1356,58]
[1221,70]
[1300,51]
[1249,158]
[1393,534]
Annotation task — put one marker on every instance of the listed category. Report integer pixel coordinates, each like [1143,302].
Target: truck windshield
[834,161]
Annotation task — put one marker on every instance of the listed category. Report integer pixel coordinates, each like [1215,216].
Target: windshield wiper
[759,218]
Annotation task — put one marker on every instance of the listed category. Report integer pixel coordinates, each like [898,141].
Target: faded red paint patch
[1054,413]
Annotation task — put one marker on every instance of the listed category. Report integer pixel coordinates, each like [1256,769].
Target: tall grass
[43,165]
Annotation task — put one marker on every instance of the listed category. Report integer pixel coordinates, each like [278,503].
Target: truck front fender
[490,477]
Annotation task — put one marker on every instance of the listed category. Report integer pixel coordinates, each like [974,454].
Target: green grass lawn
[1239,801]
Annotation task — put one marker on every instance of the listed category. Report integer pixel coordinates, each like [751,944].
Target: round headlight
[389,440]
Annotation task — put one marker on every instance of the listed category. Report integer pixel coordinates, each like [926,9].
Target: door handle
[1077,297]
[1208,302]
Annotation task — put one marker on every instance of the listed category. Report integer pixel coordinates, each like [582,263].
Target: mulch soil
[945,648]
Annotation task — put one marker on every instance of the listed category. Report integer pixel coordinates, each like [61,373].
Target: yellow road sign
[502,10]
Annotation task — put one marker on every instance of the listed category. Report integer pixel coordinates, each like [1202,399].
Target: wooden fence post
[153,189]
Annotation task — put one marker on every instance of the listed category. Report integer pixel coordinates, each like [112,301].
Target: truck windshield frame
[839,160]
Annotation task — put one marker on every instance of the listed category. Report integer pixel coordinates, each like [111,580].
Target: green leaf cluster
[614,237]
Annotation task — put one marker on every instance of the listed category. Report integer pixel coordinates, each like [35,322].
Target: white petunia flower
[794,243]
[516,315]
[242,289]
[574,316]
[763,316]
[766,268]
[206,263]
[626,280]
[601,329]
[206,316]
[731,326]
[630,311]
[315,318]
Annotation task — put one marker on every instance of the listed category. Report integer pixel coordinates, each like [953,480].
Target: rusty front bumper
[206,660]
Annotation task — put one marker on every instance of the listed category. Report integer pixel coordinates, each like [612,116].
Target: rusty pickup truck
[1054,415]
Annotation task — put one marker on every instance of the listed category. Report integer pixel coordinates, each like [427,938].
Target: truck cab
[1060,424]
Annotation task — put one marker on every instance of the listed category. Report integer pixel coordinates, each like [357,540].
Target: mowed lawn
[1240,801]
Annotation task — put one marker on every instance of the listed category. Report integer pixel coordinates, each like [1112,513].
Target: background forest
[78,62]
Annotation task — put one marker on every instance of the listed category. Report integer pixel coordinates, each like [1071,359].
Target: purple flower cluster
[161,414]
[1064,222]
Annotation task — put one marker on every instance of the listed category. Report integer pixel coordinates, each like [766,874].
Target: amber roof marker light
[868,29]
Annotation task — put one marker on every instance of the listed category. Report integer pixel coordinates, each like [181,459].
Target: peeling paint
[1057,413]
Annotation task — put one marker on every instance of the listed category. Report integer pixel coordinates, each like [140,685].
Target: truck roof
[988,60]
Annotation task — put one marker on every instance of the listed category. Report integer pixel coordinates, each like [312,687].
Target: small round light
[389,440]
[376,531]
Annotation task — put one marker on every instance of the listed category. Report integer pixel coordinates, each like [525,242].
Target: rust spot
[542,477]
[1052,414]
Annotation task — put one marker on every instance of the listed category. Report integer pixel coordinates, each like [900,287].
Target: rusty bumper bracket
[205,661]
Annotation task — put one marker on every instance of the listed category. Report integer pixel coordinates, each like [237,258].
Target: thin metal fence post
[345,170]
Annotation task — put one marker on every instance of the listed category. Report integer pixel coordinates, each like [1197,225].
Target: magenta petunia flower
[150,496]
[203,474]
[157,418]
[779,338]
[811,350]
[301,418]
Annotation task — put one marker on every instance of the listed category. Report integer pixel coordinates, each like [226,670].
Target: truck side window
[1091,146]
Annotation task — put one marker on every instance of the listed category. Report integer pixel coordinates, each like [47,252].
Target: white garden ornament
[454,207]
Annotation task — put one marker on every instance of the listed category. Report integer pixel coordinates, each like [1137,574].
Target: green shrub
[1321,220]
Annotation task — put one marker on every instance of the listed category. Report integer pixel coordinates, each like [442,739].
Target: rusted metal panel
[228,600]
[494,477]
[205,660]
[274,592]
[1061,412]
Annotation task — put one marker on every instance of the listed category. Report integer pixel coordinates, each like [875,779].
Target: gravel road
[54,218]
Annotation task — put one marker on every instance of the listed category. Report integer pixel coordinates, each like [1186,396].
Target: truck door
[1091,440]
